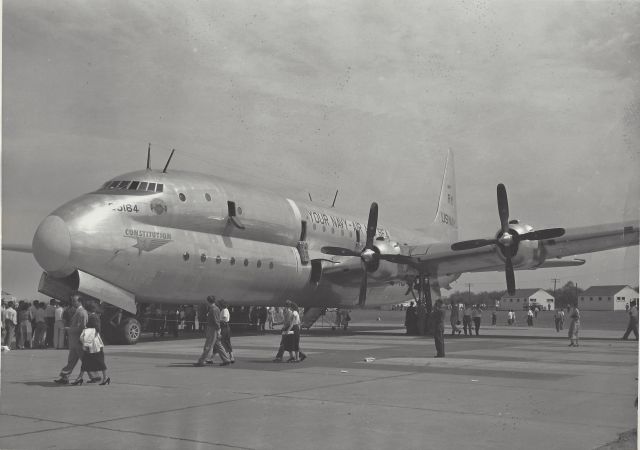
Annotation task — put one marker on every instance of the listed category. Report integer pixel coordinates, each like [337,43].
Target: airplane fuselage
[179,244]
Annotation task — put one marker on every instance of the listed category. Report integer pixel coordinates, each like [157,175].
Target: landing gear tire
[129,331]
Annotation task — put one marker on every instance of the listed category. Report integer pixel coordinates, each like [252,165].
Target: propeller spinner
[507,238]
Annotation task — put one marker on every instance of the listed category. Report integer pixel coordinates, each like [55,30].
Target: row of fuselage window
[232,261]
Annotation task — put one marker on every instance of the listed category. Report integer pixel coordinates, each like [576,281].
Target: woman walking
[292,338]
[574,326]
[93,353]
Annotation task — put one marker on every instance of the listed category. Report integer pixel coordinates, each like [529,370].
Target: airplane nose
[52,246]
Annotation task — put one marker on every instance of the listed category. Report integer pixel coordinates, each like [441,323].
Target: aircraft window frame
[113,184]
[123,184]
[232,261]
[259,264]
[239,210]
[246,262]
[207,196]
[151,187]
[218,259]
[134,185]
[143,186]
[182,197]
[159,187]
[203,257]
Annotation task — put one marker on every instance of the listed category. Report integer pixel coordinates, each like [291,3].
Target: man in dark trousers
[438,331]
[212,343]
[410,319]
[633,321]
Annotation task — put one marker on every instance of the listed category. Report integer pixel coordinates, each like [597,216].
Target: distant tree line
[566,295]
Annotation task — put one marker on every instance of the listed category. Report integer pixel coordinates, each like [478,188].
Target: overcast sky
[309,97]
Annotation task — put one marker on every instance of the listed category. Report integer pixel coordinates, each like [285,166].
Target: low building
[607,298]
[526,298]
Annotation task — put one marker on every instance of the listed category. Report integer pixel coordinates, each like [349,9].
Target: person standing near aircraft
[633,321]
[455,318]
[574,326]
[466,320]
[438,332]
[212,342]
[24,327]
[410,319]
[49,315]
[10,323]
[78,323]
[476,316]
[58,326]
[557,318]
[529,317]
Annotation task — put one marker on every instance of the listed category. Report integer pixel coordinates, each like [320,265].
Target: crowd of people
[35,324]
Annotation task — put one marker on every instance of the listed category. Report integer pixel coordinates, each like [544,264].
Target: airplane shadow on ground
[41,383]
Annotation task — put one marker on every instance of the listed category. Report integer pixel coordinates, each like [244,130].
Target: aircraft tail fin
[445,224]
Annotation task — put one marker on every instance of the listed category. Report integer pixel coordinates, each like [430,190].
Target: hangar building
[525,298]
[607,298]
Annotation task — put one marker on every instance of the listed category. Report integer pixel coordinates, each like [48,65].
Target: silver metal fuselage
[179,245]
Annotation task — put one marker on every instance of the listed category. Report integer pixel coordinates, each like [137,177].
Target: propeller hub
[506,239]
[368,255]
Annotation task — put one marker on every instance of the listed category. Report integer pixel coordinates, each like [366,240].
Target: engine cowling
[525,254]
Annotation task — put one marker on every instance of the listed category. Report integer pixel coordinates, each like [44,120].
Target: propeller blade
[549,233]
[474,243]
[372,224]
[511,278]
[362,297]
[338,251]
[503,208]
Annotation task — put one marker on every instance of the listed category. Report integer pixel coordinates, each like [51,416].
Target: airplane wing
[21,248]
[439,258]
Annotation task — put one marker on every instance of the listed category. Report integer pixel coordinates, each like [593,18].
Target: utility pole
[555,280]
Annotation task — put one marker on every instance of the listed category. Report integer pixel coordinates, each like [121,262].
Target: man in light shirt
[10,322]
[58,326]
[41,326]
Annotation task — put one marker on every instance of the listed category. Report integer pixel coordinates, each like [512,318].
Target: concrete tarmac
[508,388]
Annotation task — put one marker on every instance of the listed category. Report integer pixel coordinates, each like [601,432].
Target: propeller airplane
[174,237]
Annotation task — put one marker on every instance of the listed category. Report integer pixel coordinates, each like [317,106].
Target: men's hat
[211,298]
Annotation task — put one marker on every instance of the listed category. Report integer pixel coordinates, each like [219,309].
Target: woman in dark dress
[93,354]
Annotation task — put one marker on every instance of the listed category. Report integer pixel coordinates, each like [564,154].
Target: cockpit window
[134,186]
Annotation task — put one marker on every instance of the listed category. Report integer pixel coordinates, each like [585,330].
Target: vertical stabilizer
[445,224]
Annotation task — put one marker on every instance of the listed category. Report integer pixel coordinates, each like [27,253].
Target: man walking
[78,323]
[633,321]
[212,336]
[438,332]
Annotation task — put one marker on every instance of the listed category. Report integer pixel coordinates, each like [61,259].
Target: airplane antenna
[168,161]
[149,157]
[334,199]
[310,196]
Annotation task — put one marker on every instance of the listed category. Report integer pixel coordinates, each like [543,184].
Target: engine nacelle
[526,254]
[384,270]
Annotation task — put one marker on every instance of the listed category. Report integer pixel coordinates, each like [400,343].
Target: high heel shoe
[78,382]
[106,381]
